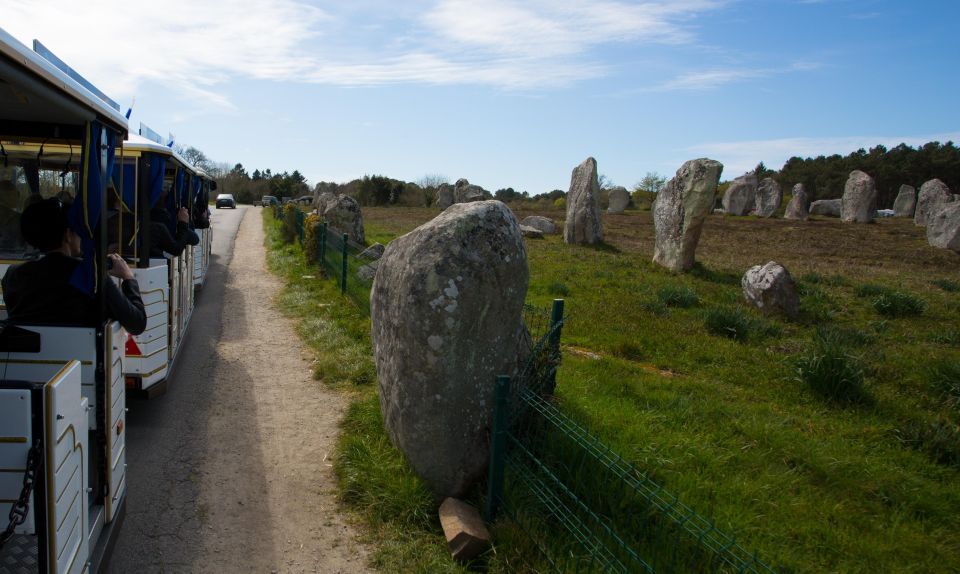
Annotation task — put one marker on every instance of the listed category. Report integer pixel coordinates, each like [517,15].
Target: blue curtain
[129,192]
[158,166]
[173,198]
[84,214]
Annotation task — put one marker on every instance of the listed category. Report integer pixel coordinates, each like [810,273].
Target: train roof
[136,142]
[34,90]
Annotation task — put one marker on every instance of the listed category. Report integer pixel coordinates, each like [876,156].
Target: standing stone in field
[933,194]
[583,210]
[681,209]
[466,192]
[446,313]
[943,227]
[859,201]
[771,289]
[323,200]
[544,224]
[344,216]
[444,196]
[769,197]
[369,271]
[373,252]
[797,207]
[906,203]
[531,232]
[826,207]
[617,200]
[741,197]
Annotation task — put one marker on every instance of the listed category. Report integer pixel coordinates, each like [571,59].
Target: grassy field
[826,444]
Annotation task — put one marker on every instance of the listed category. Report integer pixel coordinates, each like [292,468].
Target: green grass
[811,483]
[897,304]
[831,371]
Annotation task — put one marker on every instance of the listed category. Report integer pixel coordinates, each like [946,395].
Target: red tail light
[132,350]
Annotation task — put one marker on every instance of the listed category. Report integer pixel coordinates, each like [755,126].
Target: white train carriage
[155,177]
[62,394]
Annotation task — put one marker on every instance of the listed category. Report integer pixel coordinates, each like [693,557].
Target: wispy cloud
[741,156]
[715,78]
[197,46]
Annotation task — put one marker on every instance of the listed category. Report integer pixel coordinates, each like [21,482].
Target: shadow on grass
[722,277]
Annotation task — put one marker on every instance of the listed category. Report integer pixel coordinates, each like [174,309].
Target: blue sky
[515,94]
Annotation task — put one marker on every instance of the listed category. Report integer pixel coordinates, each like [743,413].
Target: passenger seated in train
[39,292]
[161,240]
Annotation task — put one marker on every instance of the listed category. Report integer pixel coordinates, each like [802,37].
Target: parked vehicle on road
[269,200]
[226,200]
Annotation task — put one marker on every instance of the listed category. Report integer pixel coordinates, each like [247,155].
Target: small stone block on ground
[467,536]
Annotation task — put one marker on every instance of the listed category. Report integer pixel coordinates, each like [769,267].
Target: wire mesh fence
[585,507]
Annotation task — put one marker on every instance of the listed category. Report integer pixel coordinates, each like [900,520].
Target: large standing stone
[943,227]
[446,312]
[544,224]
[827,207]
[906,203]
[583,225]
[797,207]
[769,197]
[933,194]
[617,199]
[741,197]
[444,196]
[680,210]
[466,192]
[859,201]
[771,289]
[344,216]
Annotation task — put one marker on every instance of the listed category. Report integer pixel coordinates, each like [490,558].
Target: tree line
[824,176]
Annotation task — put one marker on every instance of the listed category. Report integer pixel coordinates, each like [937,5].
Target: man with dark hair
[162,241]
[39,292]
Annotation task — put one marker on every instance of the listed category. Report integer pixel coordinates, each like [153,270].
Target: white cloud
[738,157]
[191,45]
[196,46]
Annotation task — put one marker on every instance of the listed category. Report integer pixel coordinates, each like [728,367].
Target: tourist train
[63,391]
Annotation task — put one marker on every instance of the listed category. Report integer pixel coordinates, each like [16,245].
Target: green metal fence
[581,504]
[339,257]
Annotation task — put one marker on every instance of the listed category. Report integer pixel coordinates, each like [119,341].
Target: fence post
[343,266]
[323,246]
[300,219]
[556,325]
[498,445]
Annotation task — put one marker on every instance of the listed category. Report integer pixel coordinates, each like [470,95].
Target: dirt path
[270,447]
[231,470]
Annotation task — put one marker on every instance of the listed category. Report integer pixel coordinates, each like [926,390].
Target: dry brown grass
[892,249]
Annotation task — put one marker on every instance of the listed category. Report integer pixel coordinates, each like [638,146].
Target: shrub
[678,296]
[311,239]
[897,304]
[947,285]
[733,323]
[944,378]
[831,372]
[560,203]
[288,223]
